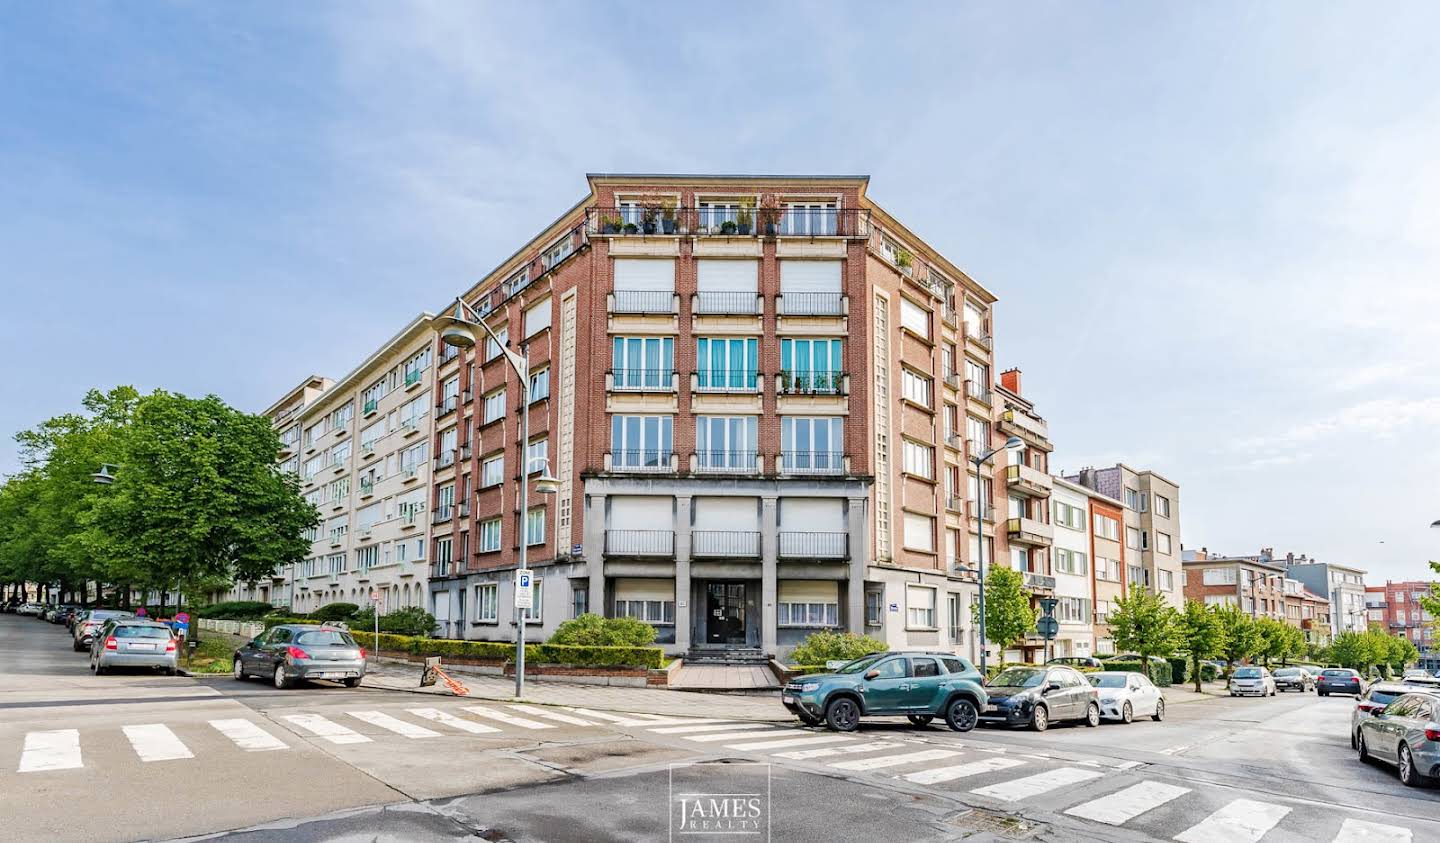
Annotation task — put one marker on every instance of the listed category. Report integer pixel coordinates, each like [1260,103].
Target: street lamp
[458,333]
[1011,444]
[106,475]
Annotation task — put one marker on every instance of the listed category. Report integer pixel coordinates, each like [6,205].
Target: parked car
[84,629]
[31,609]
[1294,679]
[1039,696]
[1422,681]
[49,614]
[134,643]
[61,612]
[1417,673]
[1339,680]
[1252,679]
[1405,734]
[1126,694]
[919,685]
[1078,661]
[295,652]
[1373,701]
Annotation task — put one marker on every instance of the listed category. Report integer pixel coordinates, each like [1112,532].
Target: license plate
[329,675]
[991,709]
[787,700]
[142,646]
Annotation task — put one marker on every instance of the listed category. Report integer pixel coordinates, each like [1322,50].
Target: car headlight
[810,686]
[1107,700]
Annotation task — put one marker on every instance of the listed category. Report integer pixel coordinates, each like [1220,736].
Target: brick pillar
[682,573]
[769,559]
[855,523]
[594,532]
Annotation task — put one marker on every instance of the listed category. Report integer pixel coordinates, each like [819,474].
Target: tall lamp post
[1012,444]
[458,333]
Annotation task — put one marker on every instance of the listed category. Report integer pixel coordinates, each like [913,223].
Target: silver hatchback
[135,644]
[1406,734]
[296,652]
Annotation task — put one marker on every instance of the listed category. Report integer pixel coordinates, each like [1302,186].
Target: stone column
[682,573]
[769,561]
[594,542]
[855,524]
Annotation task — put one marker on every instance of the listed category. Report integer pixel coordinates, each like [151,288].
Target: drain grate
[1004,826]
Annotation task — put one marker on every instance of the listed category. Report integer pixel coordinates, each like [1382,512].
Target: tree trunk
[1195,666]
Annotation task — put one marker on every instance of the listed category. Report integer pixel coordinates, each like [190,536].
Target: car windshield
[325,636]
[1248,673]
[1021,677]
[106,614]
[1384,696]
[142,632]
[1107,680]
[860,665]
[1338,673]
[1288,671]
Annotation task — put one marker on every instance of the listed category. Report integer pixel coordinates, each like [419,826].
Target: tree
[1401,652]
[1360,650]
[1276,640]
[1008,615]
[1431,602]
[1199,632]
[1145,623]
[1239,635]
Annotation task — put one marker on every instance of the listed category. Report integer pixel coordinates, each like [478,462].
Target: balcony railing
[709,544]
[953,380]
[812,462]
[642,380]
[725,380]
[727,462]
[979,391]
[978,334]
[442,515]
[642,301]
[1024,424]
[987,511]
[1029,481]
[367,488]
[1029,531]
[1039,582]
[953,441]
[811,304]
[716,303]
[728,220]
[445,459]
[950,316]
[811,383]
[413,376]
[640,542]
[810,545]
[643,461]
[954,504]
[371,406]
[447,405]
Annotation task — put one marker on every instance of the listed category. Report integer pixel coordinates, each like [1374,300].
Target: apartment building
[1029,530]
[1308,611]
[1254,583]
[758,394]
[1396,607]
[1151,526]
[1344,585]
[1077,569]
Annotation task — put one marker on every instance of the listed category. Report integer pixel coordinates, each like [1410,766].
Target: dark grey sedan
[296,652]
[1406,734]
[1294,679]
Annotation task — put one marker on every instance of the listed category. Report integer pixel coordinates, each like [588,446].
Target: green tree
[1008,615]
[1277,640]
[1431,602]
[1401,652]
[1144,623]
[1240,636]
[1199,633]
[1360,650]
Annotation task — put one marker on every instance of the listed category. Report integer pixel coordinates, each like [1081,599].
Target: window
[540,385]
[487,603]
[537,456]
[1139,576]
[535,526]
[916,387]
[714,213]
[644,285]
[340,454]
[1219,576]
[811,365]
[1107,569]
[1107,527]
[978,432]
[812,443]
[537,604]
[316,430]
[919,607]
[810,287]
[649,611]
[492,471]
[413,457]
[373,393]
[489,536]
[642,362]
[947,358]
[493,348]
[924,667]
[919,532]
[1132,538]
[494,406]
[445,500]
[1162,506]
[977,380]
[914,318]
[342,416]
[338,527]
[1070,561]
[366,558]
[919,459]
[370,435]
[1167,580]
[874,608]
[641,441]
[290,466]
[1071,517]
[1162,542]
[1132,499]
[816,219]
[336,563]
[537,318]
[314,465]
[1219,600]
[726,442]
[415,366]
[558,252]
[579,600]
[728,362]
[1073,610]
[338,491]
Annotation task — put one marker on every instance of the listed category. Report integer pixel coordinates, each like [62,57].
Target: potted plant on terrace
[667,218]
[610,225]
[770,212]
[729,227]
[649,213]
[903,259]
[631,228]
[744,219]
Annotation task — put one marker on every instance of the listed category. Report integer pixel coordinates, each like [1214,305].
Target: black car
[1339,680]
[1038,696]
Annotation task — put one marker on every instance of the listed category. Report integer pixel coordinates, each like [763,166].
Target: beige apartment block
[1151,530]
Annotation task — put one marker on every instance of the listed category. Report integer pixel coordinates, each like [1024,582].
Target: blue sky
[1214,228]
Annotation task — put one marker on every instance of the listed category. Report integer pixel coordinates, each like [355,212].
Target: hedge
[1209,672]
[276,620]
[387,643]
[1159,672]
[1179,669]
[646,657]
[233,610]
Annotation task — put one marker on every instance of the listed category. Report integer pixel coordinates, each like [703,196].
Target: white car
[1252,680]
[1125,695]
[31,609]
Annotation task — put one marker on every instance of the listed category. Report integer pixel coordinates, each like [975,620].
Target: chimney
[1289,557]
[1010,379]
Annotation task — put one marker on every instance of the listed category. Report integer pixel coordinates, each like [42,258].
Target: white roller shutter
[537,318]
[798,276]
[818,515]
[741,514]
[634,512]
[645,274]
[807,591]
[644,589]
[728,276]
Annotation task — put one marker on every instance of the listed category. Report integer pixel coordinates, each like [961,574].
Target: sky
[1214,229]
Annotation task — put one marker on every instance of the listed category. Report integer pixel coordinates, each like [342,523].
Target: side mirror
[1053,686]
[872,674]
[255,642]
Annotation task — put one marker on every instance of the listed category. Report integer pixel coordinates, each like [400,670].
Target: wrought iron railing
[640,542]
[814,545]
[713,543]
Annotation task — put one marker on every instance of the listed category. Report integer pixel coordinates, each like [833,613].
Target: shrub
[411,620]
[1209,672]
[1179,669]
[276,620]
[994,670]
[463,649]
[390,644]
[820,647]
[335,612]
[1159,672]
[591,630]
[648,657]
[234,610]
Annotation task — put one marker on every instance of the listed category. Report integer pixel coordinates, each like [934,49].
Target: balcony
[724,380]
[954,504]
[413,378]
[976,334]
[465,451]
[370,407]
[1024,480]
[813,463]
[954,442]
[812,383]
[714,303]
[1027,427]
[810,545]
[951,318]
[712,544]
[367,489]
[648,461]
[727,462]
[642,302]
[286,448]
[444,459]
[980,392]
[811,304]
[442,515]
[409,427]
[987,510]
[463,510]
[1028,531]
[467,396]
[728,220]
[954,381]
[639,542]
[367,449]
[642,380]
[447,405]
[1039,582]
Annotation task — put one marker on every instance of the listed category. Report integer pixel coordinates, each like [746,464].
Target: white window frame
[492,471]
[916,616]
[487,603]
[489,530]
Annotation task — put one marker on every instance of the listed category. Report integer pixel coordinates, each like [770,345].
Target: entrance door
[725,613]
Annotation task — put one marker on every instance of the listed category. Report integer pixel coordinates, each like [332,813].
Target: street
[136,756]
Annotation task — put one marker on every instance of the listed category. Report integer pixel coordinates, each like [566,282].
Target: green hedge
[1209,672]
[276,620]
[1159,672]
[387,643]
[233,610]
[1179,669]
[647,657]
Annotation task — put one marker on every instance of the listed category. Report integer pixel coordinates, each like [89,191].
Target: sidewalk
[1186,693]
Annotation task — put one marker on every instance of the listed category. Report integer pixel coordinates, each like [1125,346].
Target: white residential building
[1071,565]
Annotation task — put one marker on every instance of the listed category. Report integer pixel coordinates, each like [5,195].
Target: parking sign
[523,594]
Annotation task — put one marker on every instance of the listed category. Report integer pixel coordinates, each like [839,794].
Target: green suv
[921,686]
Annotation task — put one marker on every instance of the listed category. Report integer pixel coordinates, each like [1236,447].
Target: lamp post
[1011,444]
[458,334]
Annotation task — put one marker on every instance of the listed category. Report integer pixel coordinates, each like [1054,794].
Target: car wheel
[961,715]
[920,719]
[1360,746]
[1040,720]
[1323,693]
[352,682]
[75,645]
[842,715]
[239,670]
[1159,711]
[170,671]
[1092,714]
[281,680]
[1352,740]
[99,669]
[1127,714]
[1409,776]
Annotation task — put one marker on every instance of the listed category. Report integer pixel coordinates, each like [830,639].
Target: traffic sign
[374,595]
[523,595]
[1048,604]
[1047,626]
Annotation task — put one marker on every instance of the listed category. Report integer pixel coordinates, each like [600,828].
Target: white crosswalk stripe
[781,743]
[1364,831]
[1029,786]
[831,751]
[1122,806]
[248,736]
[884,761]
[618,720]
[329,730]
[538,711]
[733,735]
[1241,821]
[155,742]
[53,750]
[961,771]
[711,727]
[394,724]
[502,717]
[452,721]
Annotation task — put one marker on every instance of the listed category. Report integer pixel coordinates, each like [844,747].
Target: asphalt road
[129,757]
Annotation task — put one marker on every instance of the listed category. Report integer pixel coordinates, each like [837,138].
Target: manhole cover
[1005,826]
